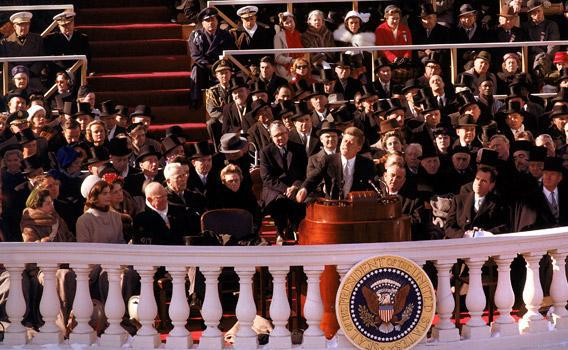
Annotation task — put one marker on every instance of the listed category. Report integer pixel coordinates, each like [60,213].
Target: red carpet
[139,57]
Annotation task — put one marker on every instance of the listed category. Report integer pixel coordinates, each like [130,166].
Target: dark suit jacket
[314,143]
[438,35]
[191,203]
[274,83]
[316,121]
[263,39]
[232,121]
[332,174]
[276,175]
[150,228]
[134,182]
[194,183]
[534,212]
[350,89]
[462,217]
[259,135]
[56,44]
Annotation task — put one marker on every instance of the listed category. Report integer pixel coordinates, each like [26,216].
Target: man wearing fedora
[234,149]
[206,44]
[67,41]
[258,133]
[480,71]
[235,116]
[304,133]
[538,28]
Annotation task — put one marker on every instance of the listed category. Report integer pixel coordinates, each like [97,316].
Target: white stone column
[179,337]
[445,330]
[342,341]
[475,302]
[313,310]
[280,337]
[211,311]
[504,324]
[15,307]
[559,290]
[49,308]
[532,321]
[147,336]
[114,336]
[83,333]
[246,338]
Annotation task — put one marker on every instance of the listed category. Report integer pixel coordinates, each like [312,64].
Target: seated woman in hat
[317,35]
[286,38]
[392,32]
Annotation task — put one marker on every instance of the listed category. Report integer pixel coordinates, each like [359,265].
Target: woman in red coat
[392,32]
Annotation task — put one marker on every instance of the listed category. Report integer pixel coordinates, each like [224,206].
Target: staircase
[140,57]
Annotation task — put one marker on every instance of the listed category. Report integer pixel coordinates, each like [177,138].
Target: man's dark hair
[492,172]
[267,59]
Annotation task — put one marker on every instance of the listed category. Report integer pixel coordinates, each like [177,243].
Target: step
[140,81]
[132,31]
[193,131]
[119,15]
[177,114]
[116,48]
[81,4]
[147,97]
[140,64]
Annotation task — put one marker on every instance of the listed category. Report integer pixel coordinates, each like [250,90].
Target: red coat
[384,36]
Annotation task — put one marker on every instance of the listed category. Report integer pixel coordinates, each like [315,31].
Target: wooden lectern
[362,218]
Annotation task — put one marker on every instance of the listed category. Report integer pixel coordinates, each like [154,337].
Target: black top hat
[428,151]
[388,125]
[559,110]
[464,99]
[83,108]
[553,164]
[516,91]
[538,154]
[430,104]
[31,164]
[284,108]
[488,131]
[134,126]
[513,107]
[433,57]
[426,10]
[460,149]
[257,106]
[258,86]
[464,80]
[206,13]
[410,84]
[465,120]
[327,75]
[16,93]
[301,110]
[300,89]
[118,146]
[108,108]
[342,115]
[489,158]
[97,154]
[381,106]
[345,60]
[142,110]
[466,9]
[394,104]
[521,145]
[327,126]
[235,83]
[25,136]
[69,108]
[146,151]
[382,62]
[121,110]
[201,149]
[169,143]
[17,116]
[562,95]
[368,91]
[317,89]
[232,142]
[175,130]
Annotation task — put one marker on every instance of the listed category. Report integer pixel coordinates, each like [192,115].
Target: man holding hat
[251,35]
[67,41]
[206,44]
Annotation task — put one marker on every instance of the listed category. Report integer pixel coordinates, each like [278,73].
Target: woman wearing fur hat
[317,35]
[349,34]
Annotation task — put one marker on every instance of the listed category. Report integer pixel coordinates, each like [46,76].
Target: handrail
[332,254]
[452,47]
[81,63]
[52,25]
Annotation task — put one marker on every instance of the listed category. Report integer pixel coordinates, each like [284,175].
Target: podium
[361,218]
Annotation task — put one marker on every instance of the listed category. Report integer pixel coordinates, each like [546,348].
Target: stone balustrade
[536,326]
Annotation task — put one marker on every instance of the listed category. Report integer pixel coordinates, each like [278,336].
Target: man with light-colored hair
[192,203]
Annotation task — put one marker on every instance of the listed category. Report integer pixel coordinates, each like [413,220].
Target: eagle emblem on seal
[386,306]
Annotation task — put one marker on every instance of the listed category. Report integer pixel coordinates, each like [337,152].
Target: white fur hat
[364,17]
[33,110]
[88,184]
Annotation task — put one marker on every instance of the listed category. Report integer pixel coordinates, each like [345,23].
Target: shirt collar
[163,213]
[251,31]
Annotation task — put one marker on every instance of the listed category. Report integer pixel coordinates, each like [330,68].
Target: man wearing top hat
[148,162]
[142,114]
[318,100]
[250,34]
[108,116]
[235,114]
[536,163]
[329,136]
[206,44]
[365,118]
[258,133]
[138,134]
[24,43]
[258,91]
[172,148]
[216,97]
[304,133]
[202,179]
[345,84]
[119,156]
[67,41]
[83,115]
[513,122]
[430,31]
[383,84]
[539,28]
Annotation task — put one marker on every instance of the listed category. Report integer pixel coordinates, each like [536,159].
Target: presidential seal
[385,302]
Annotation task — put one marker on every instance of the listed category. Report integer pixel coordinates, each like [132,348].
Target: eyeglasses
[302,67]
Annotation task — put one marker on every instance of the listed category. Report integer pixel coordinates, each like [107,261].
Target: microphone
[375,188]
[341,194]
[330,190]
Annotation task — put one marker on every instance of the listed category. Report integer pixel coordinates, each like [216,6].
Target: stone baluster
[445,330]
[475,302]
[147,336]
[211,311]
[342,341]
[83,333]
[279,309]
[533,321]
[559,290]
[49,308]
[313,310]
[246,310]
[15,307]
[179,337]
[114,335]
[504,298]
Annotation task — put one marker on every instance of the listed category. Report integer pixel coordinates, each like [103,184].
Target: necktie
[478,203]
[284,153]
[554,205]
[303,138]
[440,101]
[347,179]
[468,32]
